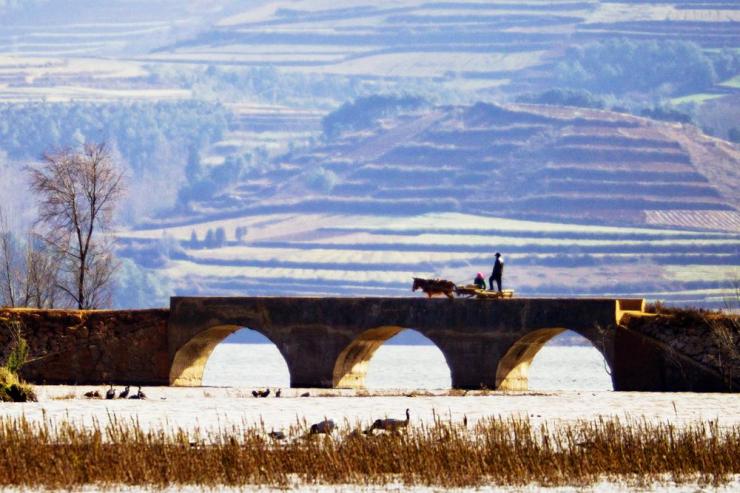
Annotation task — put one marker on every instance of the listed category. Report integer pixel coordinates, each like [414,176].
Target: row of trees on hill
[585,99]
[65,260]
[270,85]
[620,66]
[638,77]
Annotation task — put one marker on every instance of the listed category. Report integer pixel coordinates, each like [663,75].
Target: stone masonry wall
[700,350]
[79,347]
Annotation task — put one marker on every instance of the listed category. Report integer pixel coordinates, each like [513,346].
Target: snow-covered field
[399,377]
[406,368]
[220,408]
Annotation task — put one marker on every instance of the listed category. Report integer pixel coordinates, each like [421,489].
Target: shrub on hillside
[564,97]
[321,179]
[726,62]
[204,184]
[666,113]
[363,112]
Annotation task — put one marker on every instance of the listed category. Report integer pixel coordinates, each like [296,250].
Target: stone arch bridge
[328,342]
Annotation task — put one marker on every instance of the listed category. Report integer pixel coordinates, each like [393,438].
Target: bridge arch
[351,366]
[512,372]
[189,362]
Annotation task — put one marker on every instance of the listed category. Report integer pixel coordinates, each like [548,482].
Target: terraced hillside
[426,192]
[580,201]
[471,48]
[461,51]
[78,28]
[485,47]
[77,50]
[524,161]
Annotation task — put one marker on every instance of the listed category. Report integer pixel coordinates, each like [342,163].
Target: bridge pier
[310,356]
[472,360]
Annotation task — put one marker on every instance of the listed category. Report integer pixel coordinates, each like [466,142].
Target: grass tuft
[12,388]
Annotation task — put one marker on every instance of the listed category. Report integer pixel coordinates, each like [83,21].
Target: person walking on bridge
[498,273]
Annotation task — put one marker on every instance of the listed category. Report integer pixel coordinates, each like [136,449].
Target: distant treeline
[270,85]
[619,66]
[138,130]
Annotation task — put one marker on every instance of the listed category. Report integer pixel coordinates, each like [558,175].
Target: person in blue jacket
[498,272]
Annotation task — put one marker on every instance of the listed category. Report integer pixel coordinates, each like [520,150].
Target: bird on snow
[389,424]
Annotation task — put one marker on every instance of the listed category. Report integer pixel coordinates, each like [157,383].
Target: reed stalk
[496,451]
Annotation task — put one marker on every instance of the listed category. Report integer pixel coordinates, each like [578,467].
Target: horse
[434,286]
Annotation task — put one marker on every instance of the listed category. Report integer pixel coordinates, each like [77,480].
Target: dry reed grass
[494,451]
[64,397]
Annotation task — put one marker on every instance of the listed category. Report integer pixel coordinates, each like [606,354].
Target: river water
[406,367]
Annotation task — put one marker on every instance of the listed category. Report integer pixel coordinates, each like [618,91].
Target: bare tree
[27,271]
[78,192]
[41,274]
[9,265]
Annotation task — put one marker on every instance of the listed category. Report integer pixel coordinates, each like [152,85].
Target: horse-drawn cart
[447,288]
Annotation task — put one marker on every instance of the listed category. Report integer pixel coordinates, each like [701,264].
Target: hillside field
[322,254]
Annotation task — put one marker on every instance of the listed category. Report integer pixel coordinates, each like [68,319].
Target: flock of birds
[111,394]
[265,393]
[325,427]
[278,393]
